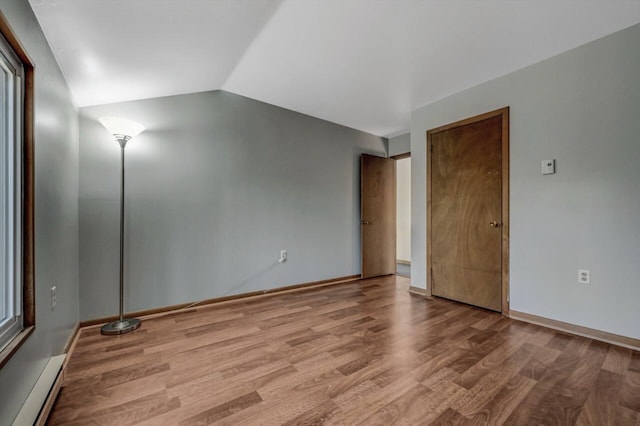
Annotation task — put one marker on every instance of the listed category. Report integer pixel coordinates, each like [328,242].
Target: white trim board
[30,410]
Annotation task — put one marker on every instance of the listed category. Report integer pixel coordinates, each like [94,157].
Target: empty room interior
[334,212]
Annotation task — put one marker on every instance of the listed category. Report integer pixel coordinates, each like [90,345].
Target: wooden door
[378,215]
[467,209]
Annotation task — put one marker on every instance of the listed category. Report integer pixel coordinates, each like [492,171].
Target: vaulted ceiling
[365,64]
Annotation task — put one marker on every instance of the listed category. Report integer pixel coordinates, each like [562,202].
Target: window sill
[15,344]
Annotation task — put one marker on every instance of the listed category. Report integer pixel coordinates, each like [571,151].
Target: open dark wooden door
[378,215]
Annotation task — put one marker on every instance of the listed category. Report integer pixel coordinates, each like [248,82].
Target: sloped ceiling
[365,64]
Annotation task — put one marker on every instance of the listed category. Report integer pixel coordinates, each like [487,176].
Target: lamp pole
[116,126]
[123,142]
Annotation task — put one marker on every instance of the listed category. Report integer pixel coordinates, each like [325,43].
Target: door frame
[504,114]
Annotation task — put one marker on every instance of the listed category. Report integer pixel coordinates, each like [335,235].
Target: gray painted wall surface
[56,215]
[581,108]
[400,144]
[216,186]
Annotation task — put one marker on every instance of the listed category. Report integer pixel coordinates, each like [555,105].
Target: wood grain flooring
[364,353]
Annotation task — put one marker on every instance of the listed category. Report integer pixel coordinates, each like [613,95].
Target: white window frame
[11,123]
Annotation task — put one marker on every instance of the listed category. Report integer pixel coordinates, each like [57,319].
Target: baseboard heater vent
[34,410]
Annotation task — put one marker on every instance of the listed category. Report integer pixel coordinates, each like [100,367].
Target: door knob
[365,222]
[494,224]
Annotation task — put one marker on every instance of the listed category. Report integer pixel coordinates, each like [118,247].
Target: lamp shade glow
[122,127]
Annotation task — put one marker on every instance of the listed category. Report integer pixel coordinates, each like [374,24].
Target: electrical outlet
[584,276]
[53,298]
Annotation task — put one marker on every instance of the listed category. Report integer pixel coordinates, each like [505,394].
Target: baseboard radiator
[39,402]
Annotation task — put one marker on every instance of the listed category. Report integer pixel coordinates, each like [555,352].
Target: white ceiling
[365,64]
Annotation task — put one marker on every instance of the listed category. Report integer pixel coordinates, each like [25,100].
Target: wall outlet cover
[584,276]
[548,167]
[54,297]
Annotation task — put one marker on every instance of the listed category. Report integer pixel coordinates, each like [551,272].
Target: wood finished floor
[360,353]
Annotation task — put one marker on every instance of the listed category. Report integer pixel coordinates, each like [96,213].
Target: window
[17,319]
[10,185]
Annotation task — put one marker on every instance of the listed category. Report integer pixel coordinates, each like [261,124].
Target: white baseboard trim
[591,333]
[30,411]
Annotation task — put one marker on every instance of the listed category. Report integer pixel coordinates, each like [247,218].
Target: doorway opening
[403,214]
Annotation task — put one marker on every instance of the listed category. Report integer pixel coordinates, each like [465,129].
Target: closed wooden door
[378,215]
[468,228]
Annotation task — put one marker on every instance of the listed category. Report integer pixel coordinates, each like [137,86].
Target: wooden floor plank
[450,418]
[500,407]
[617,360]
[603,400]
[395,410]
[364,352]
[223,410]
[631,391]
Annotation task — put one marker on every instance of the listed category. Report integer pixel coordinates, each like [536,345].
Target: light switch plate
[548,167]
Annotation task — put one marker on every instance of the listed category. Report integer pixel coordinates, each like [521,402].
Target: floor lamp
[123,131]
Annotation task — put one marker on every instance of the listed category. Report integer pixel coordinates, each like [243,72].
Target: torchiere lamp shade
[121,127]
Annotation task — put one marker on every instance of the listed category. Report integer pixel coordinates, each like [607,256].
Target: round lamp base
[120,327]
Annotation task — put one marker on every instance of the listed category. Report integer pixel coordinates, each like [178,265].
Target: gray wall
[56,215]
[400,144]
[216,186]
[581,108]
